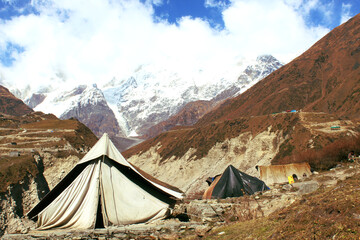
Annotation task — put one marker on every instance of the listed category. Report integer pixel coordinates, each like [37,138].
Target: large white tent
[103,190]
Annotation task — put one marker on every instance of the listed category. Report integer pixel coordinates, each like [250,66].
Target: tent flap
[234,183]
[103,181]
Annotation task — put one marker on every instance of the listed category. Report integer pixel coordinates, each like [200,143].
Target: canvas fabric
[105,147]
[125,195]
[125,202]
[280,173]
[76,206]
[234,183]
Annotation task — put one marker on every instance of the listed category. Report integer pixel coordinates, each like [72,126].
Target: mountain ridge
[11,105]
[150,95]
[257,127]
[321,79]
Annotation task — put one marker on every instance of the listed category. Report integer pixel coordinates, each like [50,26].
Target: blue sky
[212,11]
[92,41]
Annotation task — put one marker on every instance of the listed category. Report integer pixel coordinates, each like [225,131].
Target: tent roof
[234,183]
[105,154]
[105,147]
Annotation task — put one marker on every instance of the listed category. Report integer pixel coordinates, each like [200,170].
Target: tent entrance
[99,223]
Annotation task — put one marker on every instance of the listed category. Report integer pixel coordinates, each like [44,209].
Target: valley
[305,111]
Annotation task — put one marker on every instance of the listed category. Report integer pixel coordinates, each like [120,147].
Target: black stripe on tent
[57,190]
[70,177]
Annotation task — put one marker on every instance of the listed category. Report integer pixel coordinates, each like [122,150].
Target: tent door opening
[99,222]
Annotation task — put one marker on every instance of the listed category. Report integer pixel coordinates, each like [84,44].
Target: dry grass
[51,124]
[330,155]
[329,213]
[14,169]
[37,136]
[177,142]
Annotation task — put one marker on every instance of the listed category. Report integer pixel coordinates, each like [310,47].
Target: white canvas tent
[279,173]
[103,190]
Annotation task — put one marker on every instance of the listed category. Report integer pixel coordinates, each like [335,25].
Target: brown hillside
[326,78]
[38,134]
[188,116]
[11,105]
[301,131]
[328,213]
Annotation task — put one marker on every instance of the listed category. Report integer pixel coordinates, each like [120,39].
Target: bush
[329,156]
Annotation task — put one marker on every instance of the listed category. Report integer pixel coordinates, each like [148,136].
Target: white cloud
[269,27]
[93,41]
[215,3]
[345,12]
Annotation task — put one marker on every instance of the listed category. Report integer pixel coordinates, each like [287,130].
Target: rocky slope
[85,103]
[185,157]
[244,132]
[36,151]
[9,104]
[193,111]
[151,94]
[187,116]
[323,79]
[92,109]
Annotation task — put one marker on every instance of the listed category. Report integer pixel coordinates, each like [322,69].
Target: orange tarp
[208,193]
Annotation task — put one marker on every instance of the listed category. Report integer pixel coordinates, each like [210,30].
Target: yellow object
[291,179]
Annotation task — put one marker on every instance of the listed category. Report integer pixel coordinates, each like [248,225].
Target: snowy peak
[86,96]
[130,105]
[91,108]
[264,65]
[259,69]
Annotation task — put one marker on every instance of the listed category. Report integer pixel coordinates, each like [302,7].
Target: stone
[202,230]
[307,187]
[286,187]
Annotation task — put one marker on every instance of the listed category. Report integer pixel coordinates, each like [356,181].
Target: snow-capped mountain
[253,73]
[127,106]
[86,103]
[149,96]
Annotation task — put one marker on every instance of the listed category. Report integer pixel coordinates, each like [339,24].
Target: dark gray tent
[234,183]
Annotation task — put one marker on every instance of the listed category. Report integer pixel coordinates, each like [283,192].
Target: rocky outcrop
[186,157]
[187,116]
[92,109]
[18,199]
[9,104]
[46,150]
[325,78]
[35,99]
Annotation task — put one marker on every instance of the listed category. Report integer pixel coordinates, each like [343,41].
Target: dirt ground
[210,218]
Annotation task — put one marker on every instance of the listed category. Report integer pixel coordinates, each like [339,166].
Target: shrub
[331,155]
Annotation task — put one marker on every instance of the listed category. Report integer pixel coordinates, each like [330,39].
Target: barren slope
[9,104]
[36,151]
[326,78]
[185,157]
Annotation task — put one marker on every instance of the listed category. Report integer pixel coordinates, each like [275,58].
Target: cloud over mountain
[94,41]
